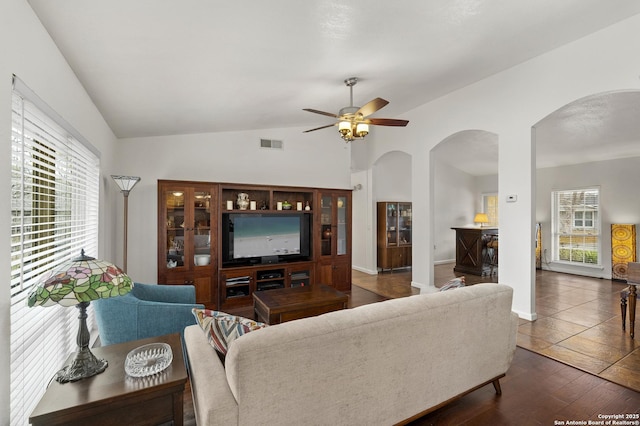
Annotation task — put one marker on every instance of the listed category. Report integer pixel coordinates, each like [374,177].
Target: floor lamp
[126,184]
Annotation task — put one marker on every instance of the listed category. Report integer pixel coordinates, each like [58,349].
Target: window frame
[573,243]
[490,203]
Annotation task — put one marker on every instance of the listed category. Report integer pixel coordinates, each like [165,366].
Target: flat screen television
[251,238]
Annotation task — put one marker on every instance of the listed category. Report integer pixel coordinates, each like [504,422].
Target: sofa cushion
[221,328]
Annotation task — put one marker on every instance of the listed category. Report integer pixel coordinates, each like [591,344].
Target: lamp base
[84,365]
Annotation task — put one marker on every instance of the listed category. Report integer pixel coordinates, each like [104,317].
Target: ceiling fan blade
[372,107]
[318,128]
[387,122]
[329,114]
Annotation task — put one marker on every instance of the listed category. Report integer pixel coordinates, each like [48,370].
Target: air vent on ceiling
[271,144]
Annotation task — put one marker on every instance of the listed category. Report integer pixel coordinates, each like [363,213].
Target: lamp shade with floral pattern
[76,284]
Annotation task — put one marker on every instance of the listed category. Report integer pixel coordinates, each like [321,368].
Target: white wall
[508,104]
[315,160]
[28,52]
[618,182]
[455,192]
[392,177]
[363,228]
[455,200]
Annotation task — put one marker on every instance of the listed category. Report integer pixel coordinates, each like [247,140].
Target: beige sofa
[382,363]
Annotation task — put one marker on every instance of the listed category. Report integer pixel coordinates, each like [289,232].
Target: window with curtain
[576,226]
[54,214]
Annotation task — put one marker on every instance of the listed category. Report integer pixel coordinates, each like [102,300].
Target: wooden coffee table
[287,304]
[114,398]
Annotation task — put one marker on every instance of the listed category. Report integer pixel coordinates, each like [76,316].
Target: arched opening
[464,172]
[591,144]
[586,175]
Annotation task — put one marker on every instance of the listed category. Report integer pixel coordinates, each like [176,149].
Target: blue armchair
[148,310]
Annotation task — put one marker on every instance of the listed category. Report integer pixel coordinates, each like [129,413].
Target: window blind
[54,214]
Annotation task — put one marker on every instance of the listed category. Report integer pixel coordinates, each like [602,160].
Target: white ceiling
[163,67]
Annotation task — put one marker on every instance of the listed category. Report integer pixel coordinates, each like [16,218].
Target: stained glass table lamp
[76,284]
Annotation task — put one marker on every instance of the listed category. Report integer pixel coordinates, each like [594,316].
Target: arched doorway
[464,170]
[593,142]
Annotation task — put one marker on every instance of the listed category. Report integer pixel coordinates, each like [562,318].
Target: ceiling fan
[352,120]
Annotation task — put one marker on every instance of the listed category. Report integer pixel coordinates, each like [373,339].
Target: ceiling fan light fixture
[362,130]
[344,127]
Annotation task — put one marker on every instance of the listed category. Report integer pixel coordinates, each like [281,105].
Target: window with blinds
[54,214]
[576,226]
[490,207]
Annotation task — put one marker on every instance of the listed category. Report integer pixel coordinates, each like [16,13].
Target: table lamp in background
[76,284]
[481,219]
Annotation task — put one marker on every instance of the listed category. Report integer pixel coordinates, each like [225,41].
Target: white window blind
[576,226]
[54,214]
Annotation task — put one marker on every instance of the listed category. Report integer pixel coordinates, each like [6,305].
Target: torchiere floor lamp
[126,184]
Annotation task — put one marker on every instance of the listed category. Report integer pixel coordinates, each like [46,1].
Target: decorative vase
[243,201]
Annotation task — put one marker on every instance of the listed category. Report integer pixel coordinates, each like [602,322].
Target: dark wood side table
[287,304]
[114,398]
[470,249]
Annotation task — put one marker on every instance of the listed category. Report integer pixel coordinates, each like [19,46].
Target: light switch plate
[512,198]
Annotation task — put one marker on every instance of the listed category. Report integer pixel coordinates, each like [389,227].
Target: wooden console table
[287,304]
[470,250]
[114,398]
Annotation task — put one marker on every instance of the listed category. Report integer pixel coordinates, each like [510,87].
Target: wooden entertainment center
[196,245]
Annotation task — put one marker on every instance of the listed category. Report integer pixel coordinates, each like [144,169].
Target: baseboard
[424,288]
[527,316]
[596,271]
[364,270]
[442,262]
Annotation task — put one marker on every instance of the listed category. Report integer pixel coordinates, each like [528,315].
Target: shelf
[237,296]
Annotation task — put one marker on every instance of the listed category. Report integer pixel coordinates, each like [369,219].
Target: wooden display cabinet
[394,235]
[191,229]
[333,239]
[187,218]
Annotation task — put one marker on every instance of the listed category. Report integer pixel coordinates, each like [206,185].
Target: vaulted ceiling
[163,67]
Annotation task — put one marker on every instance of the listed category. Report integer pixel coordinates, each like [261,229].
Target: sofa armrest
[165,293]
[213,402]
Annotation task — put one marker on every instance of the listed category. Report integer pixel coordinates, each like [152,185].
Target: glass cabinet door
[334,222]
[174,206]
[326,224]
[201,241]
[341,238]
[188,227]
[404,223]
[392,224]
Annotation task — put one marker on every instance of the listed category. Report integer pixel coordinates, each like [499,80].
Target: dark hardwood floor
[537,389]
